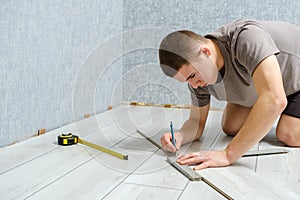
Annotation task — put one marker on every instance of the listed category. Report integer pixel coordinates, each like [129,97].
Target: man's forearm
[258,124]
[191,131]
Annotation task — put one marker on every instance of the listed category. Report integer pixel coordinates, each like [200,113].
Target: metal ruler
[194,176]
[247,154]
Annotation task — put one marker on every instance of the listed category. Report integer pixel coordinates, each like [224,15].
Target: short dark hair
[178,48]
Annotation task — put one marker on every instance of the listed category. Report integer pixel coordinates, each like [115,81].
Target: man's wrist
[230,154]
[179,136]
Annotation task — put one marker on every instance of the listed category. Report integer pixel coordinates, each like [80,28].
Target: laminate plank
[115,114]
[200,190]
[100,175]
[90,181]
[24,152]
[24,180]
[24,157]
[43,169]
[138,117]
[157,172]
[143,192]
[121,143]
[211,133]
[282,169]
[28,150]
[242,183]
[94,123]
[32,148]
[137,142]
[108,136]
[161,123]
[94,179]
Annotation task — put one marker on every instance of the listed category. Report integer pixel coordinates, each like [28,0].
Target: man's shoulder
[230,31]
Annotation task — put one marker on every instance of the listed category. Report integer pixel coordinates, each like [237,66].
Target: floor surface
[39,168]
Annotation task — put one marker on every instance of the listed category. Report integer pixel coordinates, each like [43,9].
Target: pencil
[173,137]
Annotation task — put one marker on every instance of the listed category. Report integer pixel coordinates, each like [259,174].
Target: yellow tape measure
[70,139]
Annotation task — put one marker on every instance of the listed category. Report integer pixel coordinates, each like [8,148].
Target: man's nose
[195,84]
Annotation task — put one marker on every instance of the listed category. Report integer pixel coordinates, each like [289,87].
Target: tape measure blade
[105,150]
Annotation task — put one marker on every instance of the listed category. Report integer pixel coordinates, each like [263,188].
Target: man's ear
[205,51]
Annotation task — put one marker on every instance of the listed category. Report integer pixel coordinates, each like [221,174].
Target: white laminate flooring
[39,168]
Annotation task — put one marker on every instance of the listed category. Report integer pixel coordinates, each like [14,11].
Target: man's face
[201,73]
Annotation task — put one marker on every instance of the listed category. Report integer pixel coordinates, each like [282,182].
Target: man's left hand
[205,159]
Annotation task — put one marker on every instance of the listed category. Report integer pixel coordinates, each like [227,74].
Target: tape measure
[67,139]
[70,139]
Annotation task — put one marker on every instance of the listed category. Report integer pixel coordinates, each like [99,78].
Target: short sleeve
[253,45]
[200,96]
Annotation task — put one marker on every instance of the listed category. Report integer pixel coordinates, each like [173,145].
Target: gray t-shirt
[244,44]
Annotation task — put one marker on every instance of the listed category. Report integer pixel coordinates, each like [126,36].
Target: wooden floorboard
[240,182]
[200,190]
[143,192]
[93,180]
[157,172]
[32,176]
[40,169]
[284,169]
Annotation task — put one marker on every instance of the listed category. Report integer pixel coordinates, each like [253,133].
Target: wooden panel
[90,181]
[32,176]
[107,136]
[159,173]
[282,169]
[38,168]
[33,148]
[242,183]
[133,191]
[137,142]
[200,190]
[94,179]
[26,151]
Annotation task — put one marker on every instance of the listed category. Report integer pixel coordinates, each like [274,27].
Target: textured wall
[46,47]
[62,59]
[143,79]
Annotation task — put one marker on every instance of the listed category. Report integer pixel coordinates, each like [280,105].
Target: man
[255,67]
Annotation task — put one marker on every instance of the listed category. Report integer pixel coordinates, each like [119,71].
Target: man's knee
[288,137]
[228,127]
[288,130]
[230,131]
[233,118]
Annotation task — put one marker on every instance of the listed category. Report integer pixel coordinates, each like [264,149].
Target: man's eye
[193,75]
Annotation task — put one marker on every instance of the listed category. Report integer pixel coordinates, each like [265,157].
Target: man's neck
[218,54]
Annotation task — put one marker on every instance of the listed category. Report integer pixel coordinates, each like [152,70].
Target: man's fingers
[191,159]
[201,154]
[167,144]
[170,147]
[202,166]
[190,155]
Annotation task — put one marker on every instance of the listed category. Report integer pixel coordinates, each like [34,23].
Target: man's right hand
[166,141]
